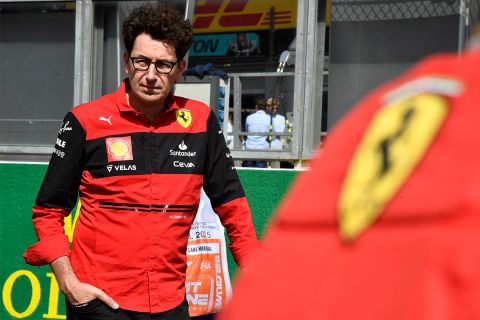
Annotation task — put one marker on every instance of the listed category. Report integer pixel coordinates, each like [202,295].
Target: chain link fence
[473,18]
[375,10]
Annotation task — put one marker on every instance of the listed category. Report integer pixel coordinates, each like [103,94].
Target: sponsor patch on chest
[119,149]
[184,117]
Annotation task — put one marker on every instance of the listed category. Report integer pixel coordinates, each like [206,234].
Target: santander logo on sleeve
[119,149]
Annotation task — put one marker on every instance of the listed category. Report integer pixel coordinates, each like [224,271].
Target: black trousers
[97,310]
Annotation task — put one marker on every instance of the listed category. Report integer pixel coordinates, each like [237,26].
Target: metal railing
[238,152]
[305,81]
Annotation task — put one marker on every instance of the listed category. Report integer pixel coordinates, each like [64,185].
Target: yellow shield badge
[398,136]
[184,117]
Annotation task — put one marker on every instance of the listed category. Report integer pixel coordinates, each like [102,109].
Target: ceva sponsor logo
[121,167]
[180,164]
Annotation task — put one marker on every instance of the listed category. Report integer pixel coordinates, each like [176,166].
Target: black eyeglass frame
[171,64]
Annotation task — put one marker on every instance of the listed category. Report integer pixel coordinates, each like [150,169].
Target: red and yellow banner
[212,16]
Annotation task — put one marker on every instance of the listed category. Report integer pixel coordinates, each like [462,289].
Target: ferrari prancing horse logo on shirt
[397,138]
[184,117]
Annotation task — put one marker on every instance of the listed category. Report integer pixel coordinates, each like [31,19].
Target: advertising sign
[225,44]
[213,16]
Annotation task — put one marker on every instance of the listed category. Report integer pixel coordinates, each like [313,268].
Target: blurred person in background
[277,125]
[386,224]
[259,121]
[243,46]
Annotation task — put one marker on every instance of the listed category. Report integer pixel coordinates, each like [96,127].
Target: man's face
[272,108]
[150,87]
[275,108]
[268,108]
[242,41]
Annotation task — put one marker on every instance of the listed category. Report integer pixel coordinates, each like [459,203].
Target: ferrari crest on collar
[184,117]
[396,140]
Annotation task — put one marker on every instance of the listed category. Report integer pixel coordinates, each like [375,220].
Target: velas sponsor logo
[183,153]
[119,149]
[184,117]
[121,167]
[65,127]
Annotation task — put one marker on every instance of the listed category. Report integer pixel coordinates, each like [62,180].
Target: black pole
[271,36]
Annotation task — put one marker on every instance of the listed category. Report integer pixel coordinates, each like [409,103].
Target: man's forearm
[64,273]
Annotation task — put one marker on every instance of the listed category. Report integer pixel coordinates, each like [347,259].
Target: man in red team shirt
[138,159]
[386,224]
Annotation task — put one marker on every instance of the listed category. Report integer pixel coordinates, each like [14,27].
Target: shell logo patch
[184,117]
[119,149]
[397,138]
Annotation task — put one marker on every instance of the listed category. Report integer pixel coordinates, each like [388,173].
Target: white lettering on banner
[205,265]
[200,299]
[193,296]
[218,292]
[218,282]
[192,285]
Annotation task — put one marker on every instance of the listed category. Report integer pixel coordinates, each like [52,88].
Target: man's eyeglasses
[162,66]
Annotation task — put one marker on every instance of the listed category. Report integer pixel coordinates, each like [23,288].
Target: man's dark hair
[162,22]
[260,103]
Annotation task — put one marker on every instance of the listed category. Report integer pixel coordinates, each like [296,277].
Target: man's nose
[151,72]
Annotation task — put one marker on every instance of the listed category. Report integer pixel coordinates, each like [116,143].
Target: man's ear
[125,61]
[182,65]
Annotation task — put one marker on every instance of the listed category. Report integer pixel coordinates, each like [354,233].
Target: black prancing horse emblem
[387,142]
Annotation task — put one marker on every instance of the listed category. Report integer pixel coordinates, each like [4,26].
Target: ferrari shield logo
[396,140]
[184,117]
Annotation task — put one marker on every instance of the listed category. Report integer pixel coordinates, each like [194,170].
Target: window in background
[37,43]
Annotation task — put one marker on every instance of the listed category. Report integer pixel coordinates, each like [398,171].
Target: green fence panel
[30,292]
